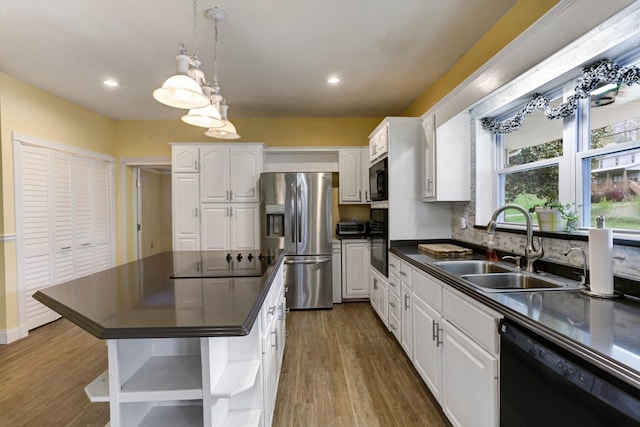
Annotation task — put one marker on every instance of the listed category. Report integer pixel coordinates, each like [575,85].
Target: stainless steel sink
[501,282]
[471,267]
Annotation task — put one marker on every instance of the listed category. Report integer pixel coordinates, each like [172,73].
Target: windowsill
[580,235]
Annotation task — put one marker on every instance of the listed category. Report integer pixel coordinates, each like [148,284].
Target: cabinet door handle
[375,284]
[366,195]
[275,344]
[406,302]
[434,330]
[360,194]
[197,166]
[230,195]
[438,340]
[230,210]
[226,195]
[196,212]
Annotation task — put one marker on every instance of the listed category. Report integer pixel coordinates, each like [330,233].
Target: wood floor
[341,368]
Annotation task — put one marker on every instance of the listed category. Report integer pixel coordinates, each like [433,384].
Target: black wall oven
[542,384]
[378,181]
[379,237]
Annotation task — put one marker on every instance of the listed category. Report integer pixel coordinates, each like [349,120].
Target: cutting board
[444,249]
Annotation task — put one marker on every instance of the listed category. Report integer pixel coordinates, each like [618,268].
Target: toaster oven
[349,228]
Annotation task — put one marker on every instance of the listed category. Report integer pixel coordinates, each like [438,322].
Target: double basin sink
[491,276]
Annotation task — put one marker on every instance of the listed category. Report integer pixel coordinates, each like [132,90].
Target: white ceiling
[273,56]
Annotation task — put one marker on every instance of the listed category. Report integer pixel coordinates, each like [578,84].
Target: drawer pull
[392,326]
[392,304]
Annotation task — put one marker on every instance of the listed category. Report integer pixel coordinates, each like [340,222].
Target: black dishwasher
[541,384]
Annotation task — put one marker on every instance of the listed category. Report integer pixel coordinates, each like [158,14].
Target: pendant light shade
[228,131]
[180,90]
[206,117]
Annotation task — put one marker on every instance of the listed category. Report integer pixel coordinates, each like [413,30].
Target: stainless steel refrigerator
[296,216]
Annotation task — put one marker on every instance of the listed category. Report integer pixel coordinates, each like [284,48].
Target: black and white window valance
[604,71]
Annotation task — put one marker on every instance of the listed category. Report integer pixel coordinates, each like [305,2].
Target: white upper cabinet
[186,211]
[230,173]
[230,226]
[379,143]
[354,176]
[446,168]
[184,158]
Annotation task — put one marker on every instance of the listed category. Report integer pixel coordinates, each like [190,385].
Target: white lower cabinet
[355,269]
[452,341]
[379,295]
[470,389]
[427,355]
[336,270]
[199,381]
[406,320]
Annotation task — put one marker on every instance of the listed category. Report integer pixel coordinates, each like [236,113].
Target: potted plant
[556,217]
[571,213]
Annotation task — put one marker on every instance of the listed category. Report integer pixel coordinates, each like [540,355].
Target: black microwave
[378,181]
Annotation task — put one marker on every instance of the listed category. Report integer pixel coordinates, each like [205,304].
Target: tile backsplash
[626,258]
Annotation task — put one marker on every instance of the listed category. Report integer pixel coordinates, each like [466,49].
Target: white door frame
[136,163]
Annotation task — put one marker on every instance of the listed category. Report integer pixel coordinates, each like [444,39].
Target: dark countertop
[141,300]
[605,332]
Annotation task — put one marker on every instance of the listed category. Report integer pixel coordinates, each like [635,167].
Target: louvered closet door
[83,216]
[36,232]
[64,221]
[62,212]
[102,214]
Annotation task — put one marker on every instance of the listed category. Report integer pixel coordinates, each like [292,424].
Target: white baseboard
[8,336]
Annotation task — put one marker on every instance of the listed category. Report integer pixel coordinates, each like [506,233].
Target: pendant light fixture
[181,90]
[189,89]
[228,131]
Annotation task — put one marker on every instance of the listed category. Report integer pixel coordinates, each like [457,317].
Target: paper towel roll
[601,260]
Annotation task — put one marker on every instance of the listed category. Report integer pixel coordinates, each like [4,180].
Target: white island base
[201,381]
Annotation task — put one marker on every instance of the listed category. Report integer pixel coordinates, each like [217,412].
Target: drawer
[480,323]
[394,326]
[394,304]
[405,273]
[394,284]
[428,288]
[394,264]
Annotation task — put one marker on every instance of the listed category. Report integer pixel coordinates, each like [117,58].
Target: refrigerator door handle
[299,213]
[295,212]
[305,261]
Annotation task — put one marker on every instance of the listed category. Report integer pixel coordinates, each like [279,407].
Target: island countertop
[169,295]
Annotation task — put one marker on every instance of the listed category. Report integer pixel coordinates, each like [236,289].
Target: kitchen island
[193,338]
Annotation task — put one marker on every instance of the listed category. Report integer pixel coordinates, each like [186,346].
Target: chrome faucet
[531,254]
[583,278]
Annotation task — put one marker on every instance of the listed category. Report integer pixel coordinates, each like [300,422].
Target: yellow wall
[31,111]
[151,139]
[513,23]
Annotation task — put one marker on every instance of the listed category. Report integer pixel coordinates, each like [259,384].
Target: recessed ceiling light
[333,80]
[111,83]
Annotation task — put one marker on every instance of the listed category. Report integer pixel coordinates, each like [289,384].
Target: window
[529,163]
[609,166]
[596,167]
